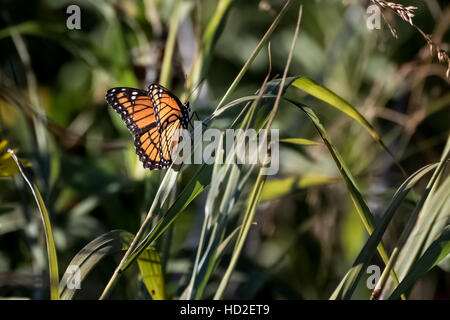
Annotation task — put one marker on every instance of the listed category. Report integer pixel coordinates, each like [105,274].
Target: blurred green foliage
[307,233]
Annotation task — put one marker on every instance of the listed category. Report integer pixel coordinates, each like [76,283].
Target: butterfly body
[153,116]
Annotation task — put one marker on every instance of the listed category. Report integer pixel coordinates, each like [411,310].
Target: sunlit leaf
[150,266]
[276,188]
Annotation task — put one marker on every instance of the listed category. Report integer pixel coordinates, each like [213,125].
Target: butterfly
[153,116]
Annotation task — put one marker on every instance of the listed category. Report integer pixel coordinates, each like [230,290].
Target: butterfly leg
[196,115]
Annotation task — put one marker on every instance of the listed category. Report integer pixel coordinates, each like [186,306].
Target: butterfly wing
[172,115]
[136,109]
[134,106]
[153,117]
[148,148]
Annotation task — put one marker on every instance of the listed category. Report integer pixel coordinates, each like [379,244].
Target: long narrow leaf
[437,251]
[360,205]
[51,250]
[348,284]
[328,96]
[88,257]
[421,226]
[108,244]
[149,263]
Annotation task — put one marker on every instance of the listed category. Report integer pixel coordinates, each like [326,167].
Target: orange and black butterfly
[153,116]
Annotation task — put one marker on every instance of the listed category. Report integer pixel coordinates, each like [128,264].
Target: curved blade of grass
[348,284]
[264,97]
[437,251]
[269,96]
[189,193]
[159,199]
[108,244]
[215,221]
[422,225]
[213,31]
[215,25]
[257,190]
[253,56]
[360,205]
[218,175]
[439,204]
[51,250]
[434,218]
[248,221]
[328,96]
[88,257]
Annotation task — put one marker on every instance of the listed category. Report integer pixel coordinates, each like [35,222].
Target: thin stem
[253,55]
[131,248]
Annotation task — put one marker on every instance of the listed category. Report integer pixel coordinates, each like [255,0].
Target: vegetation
[360,206]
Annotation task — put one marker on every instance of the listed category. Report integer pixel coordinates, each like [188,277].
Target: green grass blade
[150,266]
[88,257]
[215,26]
[261,179]
[253,56]
[158,201]
[108,244]
[248,221]
[51,250]
[424,224]
[264,97]
[360,205]
[189,193]
[217,178]
[348,284]
[437,251]
[438,206]
[328,96]
[217,226]
[301,142]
